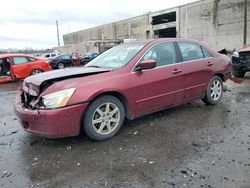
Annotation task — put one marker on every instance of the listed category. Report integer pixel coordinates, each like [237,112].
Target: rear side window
[20,60]
[163,53]
[31,59]
[190,51]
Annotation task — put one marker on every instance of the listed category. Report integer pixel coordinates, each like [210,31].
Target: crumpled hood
[32,84]
[245,48]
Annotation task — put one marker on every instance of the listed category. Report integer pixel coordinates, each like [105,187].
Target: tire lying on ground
[103,118]
[238,73]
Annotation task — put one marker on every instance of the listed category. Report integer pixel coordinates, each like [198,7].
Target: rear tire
[214,91]
[103,118]
[238,73]
[36,71]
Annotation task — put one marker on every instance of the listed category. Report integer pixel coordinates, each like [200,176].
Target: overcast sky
[31,23]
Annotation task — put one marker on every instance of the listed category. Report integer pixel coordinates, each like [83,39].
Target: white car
[49,55]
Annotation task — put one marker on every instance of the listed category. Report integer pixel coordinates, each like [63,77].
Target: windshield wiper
[95,66]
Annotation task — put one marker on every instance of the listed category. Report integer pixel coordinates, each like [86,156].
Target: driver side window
[150,55]
[163,53]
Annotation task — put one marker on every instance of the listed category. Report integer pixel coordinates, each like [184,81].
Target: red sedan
[127,81]
[20,66]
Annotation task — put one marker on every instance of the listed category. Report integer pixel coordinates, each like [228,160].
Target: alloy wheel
[106,118]
[216,90]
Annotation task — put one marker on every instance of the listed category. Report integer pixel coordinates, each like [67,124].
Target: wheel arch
[60,62]
[119,96]
[221,76]
[35,68]
[116,94]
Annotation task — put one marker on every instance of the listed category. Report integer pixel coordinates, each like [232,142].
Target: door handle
[209,64]
[176,71]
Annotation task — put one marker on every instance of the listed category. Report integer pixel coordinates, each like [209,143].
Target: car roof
[152,42]
[14,54]
[147,41]
[57,56]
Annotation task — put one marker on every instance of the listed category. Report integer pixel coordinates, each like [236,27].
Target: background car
[126,81]
[88,57]
[61,61]
[241,61]
[20,66]
[48,56]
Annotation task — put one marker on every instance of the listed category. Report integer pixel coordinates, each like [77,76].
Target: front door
[5,70]
[67,60]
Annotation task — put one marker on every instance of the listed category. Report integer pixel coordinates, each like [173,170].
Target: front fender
[81,96]
[103,91]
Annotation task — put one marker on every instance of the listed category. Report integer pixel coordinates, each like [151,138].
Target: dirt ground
[192,145]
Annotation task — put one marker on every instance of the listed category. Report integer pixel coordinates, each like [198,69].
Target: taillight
[48,65]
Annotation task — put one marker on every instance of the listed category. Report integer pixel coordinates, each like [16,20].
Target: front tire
[238,73]
[214,91]
[103,118]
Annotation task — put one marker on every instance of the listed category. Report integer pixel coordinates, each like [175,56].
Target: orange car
[20,66]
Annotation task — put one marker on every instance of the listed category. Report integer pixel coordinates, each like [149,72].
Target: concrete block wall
[218,29]
[131,28]
[217,23]
[81,41]
[81,48]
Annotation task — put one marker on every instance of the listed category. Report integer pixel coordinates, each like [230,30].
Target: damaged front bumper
[56,123]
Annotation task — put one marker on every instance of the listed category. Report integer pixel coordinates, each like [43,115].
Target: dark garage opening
[169,32]
[166,33]
[164,18]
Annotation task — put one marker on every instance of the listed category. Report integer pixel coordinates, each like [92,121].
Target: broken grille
[27,100]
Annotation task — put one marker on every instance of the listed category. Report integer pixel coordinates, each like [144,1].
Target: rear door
[162,86]
[197,65]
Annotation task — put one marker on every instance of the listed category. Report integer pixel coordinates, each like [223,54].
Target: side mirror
[146,64]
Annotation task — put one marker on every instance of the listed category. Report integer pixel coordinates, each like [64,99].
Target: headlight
[57,99]
[235,54]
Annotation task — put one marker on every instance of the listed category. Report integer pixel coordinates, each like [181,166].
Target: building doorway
[164,25]
[166,33]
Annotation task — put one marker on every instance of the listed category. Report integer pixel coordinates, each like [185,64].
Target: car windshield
[116,57]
